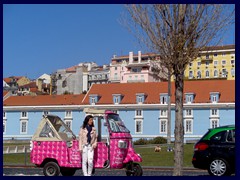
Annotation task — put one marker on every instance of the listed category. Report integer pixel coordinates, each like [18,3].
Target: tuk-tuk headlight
[122,144]
[31,145]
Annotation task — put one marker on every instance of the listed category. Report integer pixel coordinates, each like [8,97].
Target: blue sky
[40,38]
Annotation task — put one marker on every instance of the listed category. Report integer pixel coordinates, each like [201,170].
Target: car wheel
[51,169]
[68,171]
[219,167]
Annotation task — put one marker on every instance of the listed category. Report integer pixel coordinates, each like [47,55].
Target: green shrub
[156,140]
[141,141]
[159,140]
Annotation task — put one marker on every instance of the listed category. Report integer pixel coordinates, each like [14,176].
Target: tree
[178,32]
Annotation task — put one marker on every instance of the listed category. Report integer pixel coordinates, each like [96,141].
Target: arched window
[215,73]
[207,74]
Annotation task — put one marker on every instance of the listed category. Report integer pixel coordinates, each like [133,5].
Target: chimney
[130,57]
[39,84]
[139,56]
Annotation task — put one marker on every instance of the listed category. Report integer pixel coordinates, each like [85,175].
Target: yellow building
[217,62]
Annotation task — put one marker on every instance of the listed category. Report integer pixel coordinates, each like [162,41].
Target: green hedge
[156,140]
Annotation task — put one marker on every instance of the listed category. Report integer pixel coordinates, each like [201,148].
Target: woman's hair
[85,122]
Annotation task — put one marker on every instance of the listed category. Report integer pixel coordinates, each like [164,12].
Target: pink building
[133,68]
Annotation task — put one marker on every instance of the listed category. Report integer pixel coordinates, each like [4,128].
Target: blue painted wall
[201,121]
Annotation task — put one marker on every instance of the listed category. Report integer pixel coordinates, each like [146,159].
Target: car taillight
[200,146]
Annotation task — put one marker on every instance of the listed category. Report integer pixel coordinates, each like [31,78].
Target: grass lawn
[150,158]
[164,158]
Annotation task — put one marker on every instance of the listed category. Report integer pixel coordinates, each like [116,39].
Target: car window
[219,137]
[231,136]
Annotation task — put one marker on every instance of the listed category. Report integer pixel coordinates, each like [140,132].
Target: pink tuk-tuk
[55,147]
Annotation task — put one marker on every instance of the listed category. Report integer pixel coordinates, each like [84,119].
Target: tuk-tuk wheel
[136,170]
[51,169]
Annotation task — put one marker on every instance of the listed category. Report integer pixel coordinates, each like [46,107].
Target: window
[68,123]
[4,126]
[138,126]
[163,98]
[115,111]
[140,98]
[188,126]
[215,55]
[45,113]
[231,136]
[23,127]
[64,83]
[68,114]
[163,113]
[232,62]
[93,98]
[207,74]
[199,63]
[207,56]
[136,69]
[115,76]
[224,73]
[223,62]
[215,63]
[189,112]
[189,97]
[117,98]
[190,74]
[4,115]
[163,126]
[190,64]
[214,112]
[207,63]
[24,114]
[233,71]
[223,54]
[214,123]
[198,74]
[215,73]
[138,113]
[214,98]
[47,131]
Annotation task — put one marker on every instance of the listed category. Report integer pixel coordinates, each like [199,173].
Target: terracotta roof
[42,100]
[201,88]
[4,93]
[30,85]
[72,69]
[223,47]
[7,80]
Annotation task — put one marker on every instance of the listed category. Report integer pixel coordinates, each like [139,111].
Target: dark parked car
[215,151]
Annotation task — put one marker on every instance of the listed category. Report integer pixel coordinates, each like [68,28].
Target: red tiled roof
[42,100]
[4,93]
[30,85]
[200,88]
[71,69]
[224,47]
[7,80]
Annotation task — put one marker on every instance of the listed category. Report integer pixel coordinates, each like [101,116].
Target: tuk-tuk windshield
[116,124]
[60,126]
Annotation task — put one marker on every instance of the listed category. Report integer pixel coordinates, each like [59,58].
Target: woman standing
[87,144]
